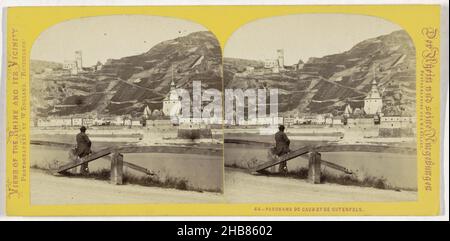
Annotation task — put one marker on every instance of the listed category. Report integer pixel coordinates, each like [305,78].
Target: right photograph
[320,108]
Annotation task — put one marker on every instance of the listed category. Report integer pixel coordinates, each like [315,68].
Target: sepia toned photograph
[106,126]
[267,111]
[335,119]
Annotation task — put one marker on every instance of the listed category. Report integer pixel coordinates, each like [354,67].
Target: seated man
[83,148]
[282,147]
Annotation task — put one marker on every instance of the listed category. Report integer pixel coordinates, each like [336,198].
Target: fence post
[117,168]
[314,171]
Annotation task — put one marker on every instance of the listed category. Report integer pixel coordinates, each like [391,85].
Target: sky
[304,35]
[101,38]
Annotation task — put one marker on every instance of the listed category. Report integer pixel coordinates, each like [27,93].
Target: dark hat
[83,128]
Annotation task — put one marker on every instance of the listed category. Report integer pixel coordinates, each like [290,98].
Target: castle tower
[373,102]
[280,57]
[172,103]
[79,59]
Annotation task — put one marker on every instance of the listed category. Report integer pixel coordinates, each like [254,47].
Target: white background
[444,97]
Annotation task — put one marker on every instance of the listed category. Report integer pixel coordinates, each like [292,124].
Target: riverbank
[240,187]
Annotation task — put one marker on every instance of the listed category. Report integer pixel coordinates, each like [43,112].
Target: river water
[201,172]
[399,170]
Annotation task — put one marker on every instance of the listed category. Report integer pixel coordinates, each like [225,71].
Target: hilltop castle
[275,64]
[74,66]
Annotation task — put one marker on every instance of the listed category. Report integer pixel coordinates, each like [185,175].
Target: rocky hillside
[39,66]
[126,85]
[235,65]
[326,84]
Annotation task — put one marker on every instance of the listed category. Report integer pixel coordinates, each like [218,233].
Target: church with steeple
[373,103]
[172,103]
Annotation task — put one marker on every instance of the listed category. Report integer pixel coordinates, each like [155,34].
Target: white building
[70,65]
[77,122]
[98,66]
[275,64]
[74,66]
[360,122]
[79,59]
[348,111]
[280,55]
[172,103]
[300,64]
[59,122]
[270,63]
[373,102]
[249,69]
[147,113]
[397,122]
[135,122]
[127,122]
[337,121]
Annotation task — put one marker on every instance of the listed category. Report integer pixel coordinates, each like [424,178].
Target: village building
[319,120]
[373,102]
[337,121]
[172,103]
[280,55]
[71,66]
[299,120]
[353,108]
[136,122]
[79,59]
[360,122]
[270,63]
[74,66]
[77,121]
[98,66]
[300,64]
[127,122]
[289,120]
[160,123]
[147,113]
[364,112]
[109,61]
[64,121]
[348,111]
[249,70]
[88,121]
[156,113]
[397,122]
[118,121]
[276,65]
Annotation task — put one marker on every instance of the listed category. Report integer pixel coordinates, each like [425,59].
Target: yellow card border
[24,24]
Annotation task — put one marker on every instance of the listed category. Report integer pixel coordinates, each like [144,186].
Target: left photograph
[119,115]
